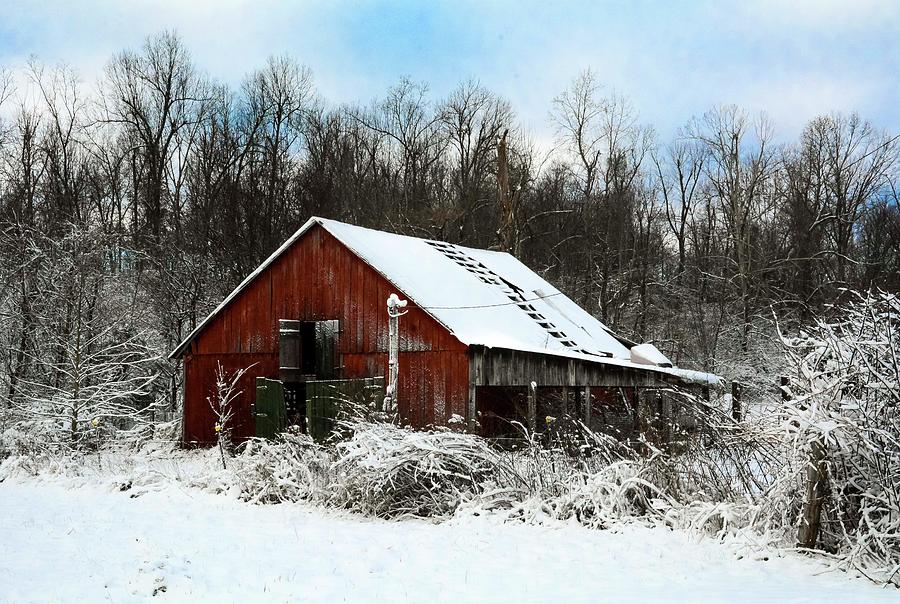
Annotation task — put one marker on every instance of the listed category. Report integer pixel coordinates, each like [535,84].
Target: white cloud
[824,15]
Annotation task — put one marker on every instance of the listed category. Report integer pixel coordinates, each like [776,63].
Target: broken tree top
[484,298]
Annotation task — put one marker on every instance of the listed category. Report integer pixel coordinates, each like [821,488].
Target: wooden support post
[470,406]
[816,490]
[586,396]
[532,406]
[565,400]
[736,412]
[637,406]
[475,369]
[395,306]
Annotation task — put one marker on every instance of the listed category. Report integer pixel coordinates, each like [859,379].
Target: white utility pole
[394,304]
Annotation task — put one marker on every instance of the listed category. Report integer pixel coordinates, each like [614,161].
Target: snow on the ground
[94,544]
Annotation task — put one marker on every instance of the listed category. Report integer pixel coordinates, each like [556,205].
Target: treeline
[142,200]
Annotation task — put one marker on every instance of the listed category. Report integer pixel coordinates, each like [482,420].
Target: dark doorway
[307,350]
[502,412]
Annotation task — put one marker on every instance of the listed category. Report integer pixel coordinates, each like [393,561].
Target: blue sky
[673,59]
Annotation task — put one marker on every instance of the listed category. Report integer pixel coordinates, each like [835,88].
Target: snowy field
[95,544]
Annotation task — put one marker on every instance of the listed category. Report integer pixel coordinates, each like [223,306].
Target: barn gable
[318,278]
[483,298]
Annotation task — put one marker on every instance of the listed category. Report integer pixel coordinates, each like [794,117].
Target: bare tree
[152,95]
[855,160]
[23,167]
[474,120]
[276,100]
[7,89]
[578,116]
[62,145]
[680,171]
[416,145]
[605,146]
[741,162]
[93,363]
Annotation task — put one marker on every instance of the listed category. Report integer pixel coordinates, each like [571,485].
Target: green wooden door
[269,413]
[325,398]
[321,409]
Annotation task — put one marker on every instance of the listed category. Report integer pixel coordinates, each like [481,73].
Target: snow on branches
[844,415]
[82,364]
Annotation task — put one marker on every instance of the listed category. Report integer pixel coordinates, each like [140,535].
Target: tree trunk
[27,322]
[509,238]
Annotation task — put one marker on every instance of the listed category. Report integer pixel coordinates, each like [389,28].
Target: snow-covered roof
[648,354]
[482,297]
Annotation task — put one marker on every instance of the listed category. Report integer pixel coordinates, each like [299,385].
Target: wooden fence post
[587,405]
[532,406]
[816,490]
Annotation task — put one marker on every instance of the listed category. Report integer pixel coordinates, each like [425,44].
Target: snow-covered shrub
[291,468]
[84,362]
[105,388]
[544,465]
[377,469]
[619,491]
[23,438]
[845,403]
[387,471]
[123,467]
[383,470]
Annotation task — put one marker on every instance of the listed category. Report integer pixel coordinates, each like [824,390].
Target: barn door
[290,350]
[307,350]
[268,410]
[326,335]
[324,399]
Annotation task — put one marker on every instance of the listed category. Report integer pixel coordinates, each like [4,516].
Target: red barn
[485,340]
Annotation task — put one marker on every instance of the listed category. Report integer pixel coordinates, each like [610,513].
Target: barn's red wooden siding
[318,278]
